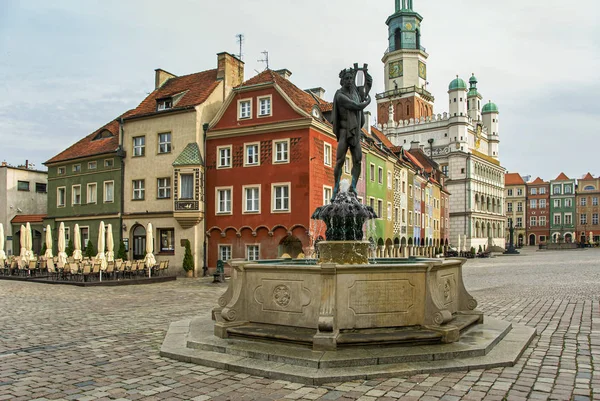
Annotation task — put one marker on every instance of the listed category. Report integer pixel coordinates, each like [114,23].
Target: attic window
[164,104]
[315,112]
[103,134]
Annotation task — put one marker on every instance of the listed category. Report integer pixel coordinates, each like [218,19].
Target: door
[139,243]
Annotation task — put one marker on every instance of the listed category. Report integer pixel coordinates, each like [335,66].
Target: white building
[464,140]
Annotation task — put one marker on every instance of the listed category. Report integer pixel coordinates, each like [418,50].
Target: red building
[538,212]
[269,157]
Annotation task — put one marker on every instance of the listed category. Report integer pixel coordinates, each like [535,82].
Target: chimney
[367,125]
[161,76]
[230,70]
[414,145]
[4,164]
[318,91]
[285,73]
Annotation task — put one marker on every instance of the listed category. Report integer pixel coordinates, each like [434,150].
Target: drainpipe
[205,266]
[121,155]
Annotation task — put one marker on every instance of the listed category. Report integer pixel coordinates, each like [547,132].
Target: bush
[43,251]
[188,259]
[122,253]
[90,252]
[473,250]
[480,250]
[70,248]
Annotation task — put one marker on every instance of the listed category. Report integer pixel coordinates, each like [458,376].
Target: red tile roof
[89,146]
[561,177]
[538,181]
[382,138]
[197,88]
[414,160]
[325,106]
[513,179]
[588,176]
[28,218]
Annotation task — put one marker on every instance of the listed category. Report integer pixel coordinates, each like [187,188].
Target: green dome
[490,108]
[457,83]
[473,80]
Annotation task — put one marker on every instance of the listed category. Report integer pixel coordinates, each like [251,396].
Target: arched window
[407,110]
[397,39]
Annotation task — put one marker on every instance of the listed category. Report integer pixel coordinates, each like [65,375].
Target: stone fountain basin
[327,306]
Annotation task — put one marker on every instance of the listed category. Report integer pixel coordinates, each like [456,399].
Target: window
[595,218]
[372,172]
[109,191]
[519,222]
[556,203]
[138,189]
[533,221]
[77,168]
[224,156]
[533,191]
[542,203]
[327,191]
[68,234]
[568,189]
[380,175]
[509,207]
[224,200]
[252,154]
[403,187]
[542,191]
[396,213]
[519,206]
[510,192]
[380,208]
[252,252]
[61,171]
[533,203]
[594,201]
[109,163]
[251,199]
[410,191]
[445,169]
[372,203]
[225,252]
[556,190]
[61,195]
[389,211]
[163,186]
[568,202]
[41,187]
[281,197]
[139,146]
[164,104]
[568,218]
[583,202]
[92,190]
[410,221]
[389,180]
[22,185]
[244,107]
[92,165]
[556,218]
[327,154]
[186,186]
[583,218]
[519,192]
[542,221]
[76,194]
[167,240]
[403,215]
[347,165]
[281,154]
[264,106]
[84,233]
[164,142]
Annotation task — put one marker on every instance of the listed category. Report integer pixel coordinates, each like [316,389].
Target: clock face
[408,26]
[422,70]
[396,69]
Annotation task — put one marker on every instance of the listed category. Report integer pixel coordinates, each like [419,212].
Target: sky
[67,67]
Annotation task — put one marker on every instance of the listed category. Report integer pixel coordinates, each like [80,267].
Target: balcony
[188,212]
[402,91]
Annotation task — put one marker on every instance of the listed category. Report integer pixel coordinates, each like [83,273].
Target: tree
[90,252]
[480,250]
[43,251]
[70,248]
[122,253]
[188,259]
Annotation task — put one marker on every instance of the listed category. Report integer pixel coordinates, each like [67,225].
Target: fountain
[345,316]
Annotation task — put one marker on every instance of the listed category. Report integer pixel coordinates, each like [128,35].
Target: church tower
[405,69]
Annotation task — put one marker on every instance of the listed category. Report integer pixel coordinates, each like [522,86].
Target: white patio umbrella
[458,246]
[62,256]
[465,243]
[110,245]
[2,253]
[29,242]
[101,256]
[22,241]
[77,254]
[150,259]
[591,238]
[48,253]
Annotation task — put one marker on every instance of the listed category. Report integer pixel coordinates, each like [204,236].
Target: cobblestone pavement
[63,342]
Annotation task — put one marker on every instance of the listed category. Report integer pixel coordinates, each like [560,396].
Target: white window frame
[160,187]
[568,203]
[246,146]
[533,203]
[410,218]
[533,191]
[92,165]
[168,143]
[327,154]
[542,221]
[389,180]
[84,241]
[583,201]
[254,257]
[380,175]
[64,189]
[61,171]
[218,191]
[542,191]
[245,209]
[87,193]
[259,111]
[104,191]
[557,222]
[276,153]
[372,172]
[109,163]
[557,203]
[327,194]
[73,194]
[372,203]
[543,202]
[274,187]
[533,221]
[67,234]
[379,209]
[76,168]
[220,159]
[186,173]
[142,147]
[389,211]
[225,246]
[247,116]
[570,216]
[141,190]
[582,218]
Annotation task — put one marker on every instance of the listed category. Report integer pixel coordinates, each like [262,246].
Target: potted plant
[122,253]
[188,260]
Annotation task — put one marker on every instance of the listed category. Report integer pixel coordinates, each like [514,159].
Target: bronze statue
[348,119]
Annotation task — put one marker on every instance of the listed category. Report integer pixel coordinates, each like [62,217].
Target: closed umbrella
[458,246]
[48,254]
[2,253]
[23,242]
[465,243]
[101,257]
[77,254]
[110,245]
[591,237]
[150,259]
[62,256]
[29,242]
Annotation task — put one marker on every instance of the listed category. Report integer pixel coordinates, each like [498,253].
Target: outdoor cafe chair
[51,268]
[96,270]
[32,267]
[110,269]
[86,271]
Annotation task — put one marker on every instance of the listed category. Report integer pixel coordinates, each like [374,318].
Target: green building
[562,209]
[85,187]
